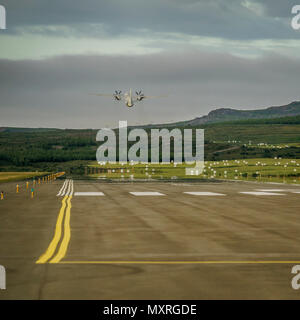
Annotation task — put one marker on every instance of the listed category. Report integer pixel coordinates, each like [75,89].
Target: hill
[228,114]
[26,130]
[273,132]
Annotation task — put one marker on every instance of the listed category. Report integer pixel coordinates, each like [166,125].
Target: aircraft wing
[102,94]
[136,98]
[151,97]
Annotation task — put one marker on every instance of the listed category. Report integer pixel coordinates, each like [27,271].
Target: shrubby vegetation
[70,150]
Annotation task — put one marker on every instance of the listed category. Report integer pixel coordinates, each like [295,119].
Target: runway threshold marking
[64,215]
[279,190]
[186,262]
[148,193]
[272,190]
[258,193]
[63,188]
[88,194]
[205,193]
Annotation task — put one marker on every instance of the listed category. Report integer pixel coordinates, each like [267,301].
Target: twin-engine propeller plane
[129,99]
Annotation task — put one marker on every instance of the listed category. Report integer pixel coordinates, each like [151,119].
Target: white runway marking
[66,189]
[279,190]
[63,188]
[88,194]
[147,194]
[263,193]
[205,193]
[271,190]
[70,188]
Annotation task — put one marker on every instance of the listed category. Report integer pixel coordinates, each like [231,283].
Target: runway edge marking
[185,262]
[67,235]
[65,212]
[57,235]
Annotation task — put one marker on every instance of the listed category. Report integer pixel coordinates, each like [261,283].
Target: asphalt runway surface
[96,240]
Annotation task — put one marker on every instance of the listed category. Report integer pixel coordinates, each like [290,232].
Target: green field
[16,176]
[264,170]
[70,151]
[256,133]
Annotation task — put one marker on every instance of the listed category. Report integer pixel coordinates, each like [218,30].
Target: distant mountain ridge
[21,129]
[214,116]
[228,114]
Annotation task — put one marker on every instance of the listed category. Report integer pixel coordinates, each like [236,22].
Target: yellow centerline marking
[185,262]
[57,235]
[67,235]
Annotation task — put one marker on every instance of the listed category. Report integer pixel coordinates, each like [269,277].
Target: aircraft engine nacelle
[117,97]
[140,98]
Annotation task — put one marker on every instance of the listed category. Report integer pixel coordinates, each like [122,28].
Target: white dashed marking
[63,188]
[147,193]
[205,193]
[263,193]
[89,194]
[271,190]
[67,188]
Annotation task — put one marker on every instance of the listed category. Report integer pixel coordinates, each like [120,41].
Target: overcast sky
[204,54]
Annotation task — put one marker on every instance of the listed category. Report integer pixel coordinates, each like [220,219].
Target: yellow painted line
[67,235]
[184,262]
[57,235]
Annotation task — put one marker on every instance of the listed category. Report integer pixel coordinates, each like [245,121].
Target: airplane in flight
[129,99]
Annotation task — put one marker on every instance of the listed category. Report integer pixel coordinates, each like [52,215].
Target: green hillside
[25,149]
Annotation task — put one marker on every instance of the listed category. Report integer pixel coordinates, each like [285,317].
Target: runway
[96,240]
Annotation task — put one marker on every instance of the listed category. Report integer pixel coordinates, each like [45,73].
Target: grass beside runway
[17,176]
[261,169]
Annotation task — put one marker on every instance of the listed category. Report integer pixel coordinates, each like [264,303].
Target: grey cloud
[227,19]
[55,92]
[280,8]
